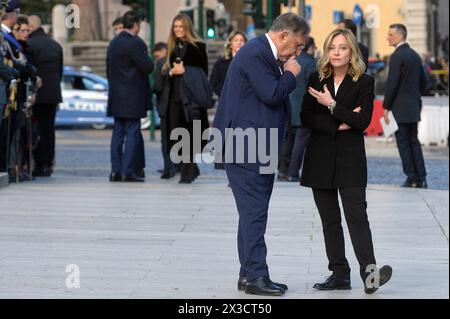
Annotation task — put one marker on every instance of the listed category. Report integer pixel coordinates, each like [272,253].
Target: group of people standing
[181,85]
[274,82]
[319,108]
[31,68]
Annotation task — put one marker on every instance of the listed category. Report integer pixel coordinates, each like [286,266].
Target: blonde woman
[184,49]
[234,43]
[338,108]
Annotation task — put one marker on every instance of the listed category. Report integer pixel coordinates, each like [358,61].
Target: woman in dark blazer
[234,43]
[338,108]
[184,49]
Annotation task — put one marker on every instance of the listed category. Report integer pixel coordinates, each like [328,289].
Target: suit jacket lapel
[330,85]
[345,87]
[269,53]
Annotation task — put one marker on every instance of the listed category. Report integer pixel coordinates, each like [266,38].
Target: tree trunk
[90,21]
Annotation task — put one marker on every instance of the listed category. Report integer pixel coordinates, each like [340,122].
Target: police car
[85,98]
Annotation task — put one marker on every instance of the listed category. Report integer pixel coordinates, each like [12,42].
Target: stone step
[3,179]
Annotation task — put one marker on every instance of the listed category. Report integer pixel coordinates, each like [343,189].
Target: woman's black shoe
[168,175]
[385,275]
[186,181]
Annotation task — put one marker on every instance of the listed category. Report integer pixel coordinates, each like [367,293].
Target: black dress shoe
[409,183]
[334,283]
[133,179]
[140,173]
[385,276]
[185,181]
[243,281]
[282,177]
[422,184]
[293,179]
[168,175]
[197,171]
[115,177]
[263,286]
[43,172]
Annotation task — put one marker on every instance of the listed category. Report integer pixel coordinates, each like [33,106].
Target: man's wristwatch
[332,106]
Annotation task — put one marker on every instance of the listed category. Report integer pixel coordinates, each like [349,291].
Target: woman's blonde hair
[228,50]
[357,66]
[190,37]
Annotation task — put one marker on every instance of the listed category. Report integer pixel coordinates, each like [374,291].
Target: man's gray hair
[291,22]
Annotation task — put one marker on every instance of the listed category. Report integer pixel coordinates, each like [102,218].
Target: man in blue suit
[128,68]
[255,97]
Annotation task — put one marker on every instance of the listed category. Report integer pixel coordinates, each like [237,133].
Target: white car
[85,98]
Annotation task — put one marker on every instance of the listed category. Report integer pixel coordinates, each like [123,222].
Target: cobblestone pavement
[86,153]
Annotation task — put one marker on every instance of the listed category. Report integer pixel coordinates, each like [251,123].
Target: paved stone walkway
[164,240]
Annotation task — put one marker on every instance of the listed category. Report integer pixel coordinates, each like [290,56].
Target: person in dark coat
[255,97]
[129,96]
[184,49]
[234,43]
[18,54]
[139,165]
[338,108]
[22,125]
[348,24]
[7,74]
[47,56]
[294,147]
[406,82]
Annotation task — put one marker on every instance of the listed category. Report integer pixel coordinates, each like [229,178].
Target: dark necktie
[280,65]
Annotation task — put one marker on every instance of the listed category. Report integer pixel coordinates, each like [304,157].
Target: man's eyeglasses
[299,47]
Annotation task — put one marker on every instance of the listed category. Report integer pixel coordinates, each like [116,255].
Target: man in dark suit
[406,82]
[128,68]
[139,165]
[348,24]
[47,55]
[255,97]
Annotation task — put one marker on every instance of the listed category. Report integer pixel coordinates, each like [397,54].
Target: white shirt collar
[272,46]
[125,30]
[400,44]
[6,28]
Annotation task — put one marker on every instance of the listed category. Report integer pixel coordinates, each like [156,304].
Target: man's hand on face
[293,66]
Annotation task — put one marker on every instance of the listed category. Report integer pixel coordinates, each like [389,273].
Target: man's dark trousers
[252,192]
[123,159]
[140,156]
[411,152]
[44,154]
